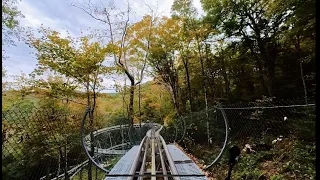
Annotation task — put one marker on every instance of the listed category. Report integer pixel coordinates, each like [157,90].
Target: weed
[277,177]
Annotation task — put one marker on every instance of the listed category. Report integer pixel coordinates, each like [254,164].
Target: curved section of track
[114,149]
[152,158]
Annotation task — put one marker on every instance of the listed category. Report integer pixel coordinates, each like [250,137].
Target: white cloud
[197,4]
[17,64]
[165,7]
[33,17]
[30,18]
[36,16]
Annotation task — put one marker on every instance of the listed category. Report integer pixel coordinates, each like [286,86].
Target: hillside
[155,102]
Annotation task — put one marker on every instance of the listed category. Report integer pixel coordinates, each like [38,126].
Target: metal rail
[152,142]
[111,151]
[142,169]
[153,155]
[136,160]
[162,161]
[173,168]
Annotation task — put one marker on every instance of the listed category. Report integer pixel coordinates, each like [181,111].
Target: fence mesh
[271,118]
[39,142]
[260,125]
[45,143]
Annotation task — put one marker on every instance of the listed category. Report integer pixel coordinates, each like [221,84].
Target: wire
[270,107]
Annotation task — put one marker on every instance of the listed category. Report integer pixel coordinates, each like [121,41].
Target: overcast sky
[59,15]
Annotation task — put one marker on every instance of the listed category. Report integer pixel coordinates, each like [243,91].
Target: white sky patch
[165,7]
[30,15]
[31,21]
[34,18]
[64,33]
[139,10]
[18,65]
[197,4]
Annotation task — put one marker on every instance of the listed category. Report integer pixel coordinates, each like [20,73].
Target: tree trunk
[124,104]
[260,70]
[132,87]
[205,91]
[139,105]
[269,63]
[66,176]
[186,67]
[91,153]
[59,162]
[261,78]
[210,82]
[91,116]
[169,76]
[271,79]
[174,98]
[304,84]
[297,46]
[226,79]
[160,109]
[63,159]
[91,133]
[48,172]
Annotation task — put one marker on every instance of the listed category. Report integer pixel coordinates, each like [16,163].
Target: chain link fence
[272,118]
[256,125]
[44,143]
[40,143]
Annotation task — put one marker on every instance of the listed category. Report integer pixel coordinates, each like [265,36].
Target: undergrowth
[288,159]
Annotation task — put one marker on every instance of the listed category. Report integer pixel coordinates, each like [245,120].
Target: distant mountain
[111,94]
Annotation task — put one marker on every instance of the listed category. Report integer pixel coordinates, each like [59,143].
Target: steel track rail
[173,168]
[153,155]
[136,160]
[142,169]
[164,170]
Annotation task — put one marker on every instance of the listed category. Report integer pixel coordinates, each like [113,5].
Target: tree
[183,9]
[163,58]
[83,64]
[122,89]
[10,22]
[300,32]
[10,28]
[139,36]
[254,23]
[186,13]
[118,31]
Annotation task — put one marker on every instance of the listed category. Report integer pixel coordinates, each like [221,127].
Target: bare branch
[124,35]
[90,14]
[148,47]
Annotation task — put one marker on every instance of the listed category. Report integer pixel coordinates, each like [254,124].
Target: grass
[289,159]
